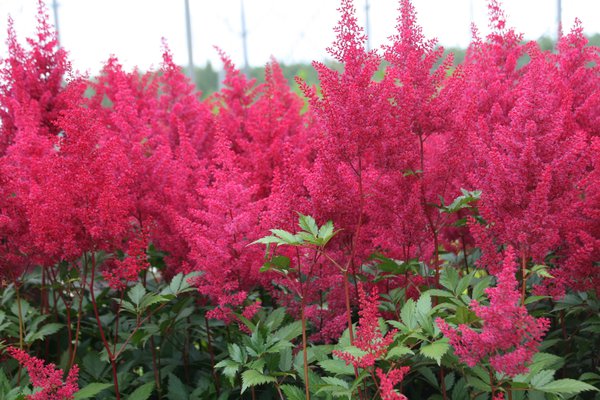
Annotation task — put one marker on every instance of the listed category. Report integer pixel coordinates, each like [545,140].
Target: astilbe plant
[369,338]
[31,78]
[374,346]
[509,336]
[529,140]
[46,377]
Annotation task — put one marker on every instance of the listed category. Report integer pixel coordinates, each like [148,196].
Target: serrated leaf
[407,314]
[286,236]
[308,224]
[542,378]
[337,367]
[150,299]
[464,283]
[479,288]
[460,390]
[91,390]
[269,240]
[533,299]
[424,304]
[143,392]
[285,359]
[292,392]
[230,368]
[177,389]
[477,383]
[333,381]
[326,231]
[398,351]
[439,293]
[289,331]
[252,377]
[449,278]
[435,350]
[275,318]
[46,330]
[136,294]
[567,386]
[235,352]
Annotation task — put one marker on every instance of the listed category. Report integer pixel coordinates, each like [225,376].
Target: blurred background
[252,31]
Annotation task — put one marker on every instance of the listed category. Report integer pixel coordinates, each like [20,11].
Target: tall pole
[55,11]
[188,28]
[244,39]
[558,19]
[368,24]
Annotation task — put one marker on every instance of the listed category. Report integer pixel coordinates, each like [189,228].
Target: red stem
[101,330]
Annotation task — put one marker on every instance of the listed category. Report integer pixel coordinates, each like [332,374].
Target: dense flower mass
[428,170]
[509,336]
[46,377]
[390,379]
[369,338]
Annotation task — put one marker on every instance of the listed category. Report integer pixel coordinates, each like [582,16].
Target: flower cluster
[48,378]
[388,380]
[369,338]
[509,336]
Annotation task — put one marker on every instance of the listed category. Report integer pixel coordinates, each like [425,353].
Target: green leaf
[479,288]
[252,377]
[460,390]
[230,368]
[91,390]
[292,392]
[542,361]
[449,278]
[566,386]
[408,314]
[235,352]
[268,240]
[398,351]
[177,389]
[477,383]
[150,299]
[326,231]
[337,367]
[290,331]
[435,350]
[136,294]
[285,359]
[46,330]
[533,299]
[336,382]
[542,378]
[308,224]
[280,263]
[143,392]
[464,282]
[286,236]
[275,318]
[424,305]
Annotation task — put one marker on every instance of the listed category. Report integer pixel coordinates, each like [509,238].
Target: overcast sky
[289,30]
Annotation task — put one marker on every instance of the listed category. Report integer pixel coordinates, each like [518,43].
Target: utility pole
[244,39]
[558,19]
[188,28]
[368,24]
[55,11]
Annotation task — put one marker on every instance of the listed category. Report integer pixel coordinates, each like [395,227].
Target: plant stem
[304,350]
[212,357]
[79,312]
[21,327]
[523,276]
[101,330]
[443,383]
